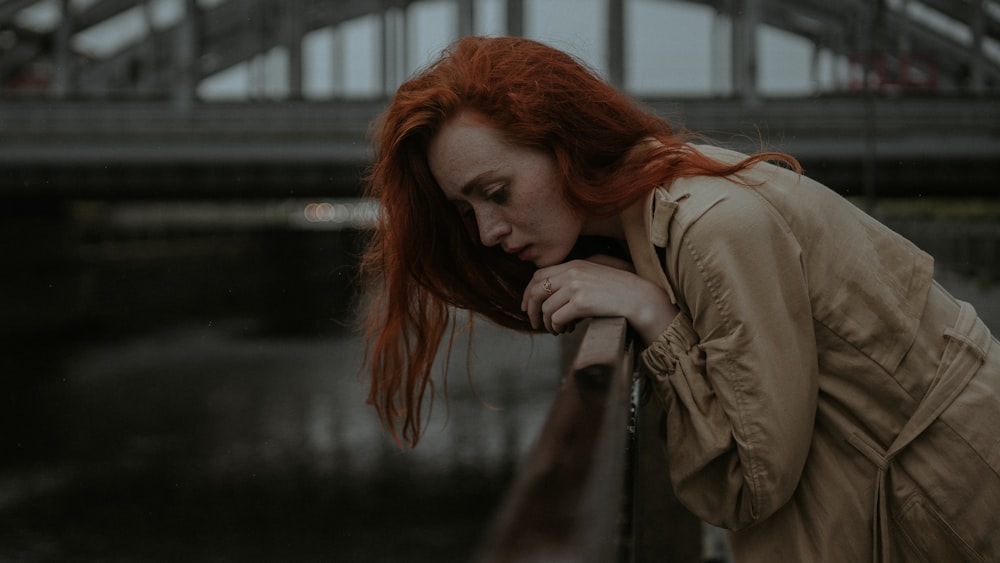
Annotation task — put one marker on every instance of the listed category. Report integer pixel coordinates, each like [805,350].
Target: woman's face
[513,192]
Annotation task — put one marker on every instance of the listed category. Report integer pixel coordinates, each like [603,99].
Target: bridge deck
[142,149]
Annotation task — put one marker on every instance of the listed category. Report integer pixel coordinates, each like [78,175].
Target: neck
[610,227]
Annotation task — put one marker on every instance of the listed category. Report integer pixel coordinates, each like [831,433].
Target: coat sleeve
[736,370]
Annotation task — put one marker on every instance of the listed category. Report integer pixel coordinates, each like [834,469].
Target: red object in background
[885,72]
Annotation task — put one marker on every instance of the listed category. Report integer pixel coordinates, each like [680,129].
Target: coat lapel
[646,224]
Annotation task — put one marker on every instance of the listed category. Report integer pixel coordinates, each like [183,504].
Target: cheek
[565,215]
[564,228]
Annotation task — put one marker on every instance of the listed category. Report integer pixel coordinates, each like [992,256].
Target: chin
[546,261]
[540,262]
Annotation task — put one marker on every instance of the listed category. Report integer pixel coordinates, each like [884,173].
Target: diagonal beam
[225,39]
[834,26]
[101,11]
[10,8]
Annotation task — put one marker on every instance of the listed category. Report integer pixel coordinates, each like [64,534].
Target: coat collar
[647,223]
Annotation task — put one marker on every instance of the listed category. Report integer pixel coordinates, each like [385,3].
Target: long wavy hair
[424,261]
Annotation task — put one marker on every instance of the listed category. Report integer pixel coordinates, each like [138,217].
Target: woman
[824,399]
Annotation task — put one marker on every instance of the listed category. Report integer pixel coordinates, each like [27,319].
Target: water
[187,391]
[213,443]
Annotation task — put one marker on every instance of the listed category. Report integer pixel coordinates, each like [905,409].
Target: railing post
[569,501]
[596,487]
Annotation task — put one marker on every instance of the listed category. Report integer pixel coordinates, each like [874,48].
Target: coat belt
[965,351]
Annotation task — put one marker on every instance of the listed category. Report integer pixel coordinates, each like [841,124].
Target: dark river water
[209,443]
[219,435]
[197,397]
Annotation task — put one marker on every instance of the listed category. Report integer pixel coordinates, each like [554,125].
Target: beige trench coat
[824,399]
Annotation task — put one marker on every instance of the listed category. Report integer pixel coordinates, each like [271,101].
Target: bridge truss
[949,45]
[925,75]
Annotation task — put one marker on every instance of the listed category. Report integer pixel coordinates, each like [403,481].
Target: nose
[492,227]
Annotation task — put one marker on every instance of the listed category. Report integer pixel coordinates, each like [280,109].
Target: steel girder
[238,30]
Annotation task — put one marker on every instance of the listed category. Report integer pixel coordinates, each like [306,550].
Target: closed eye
[499,196]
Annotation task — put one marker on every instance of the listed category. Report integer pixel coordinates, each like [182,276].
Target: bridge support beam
[392,39]
[64,52]
[515,18]
[186,49]
[466,17]
[746,20]
[292,31]
[338,60]
[977,78]
[616,42]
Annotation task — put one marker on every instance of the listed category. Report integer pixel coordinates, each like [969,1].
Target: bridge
[910,106]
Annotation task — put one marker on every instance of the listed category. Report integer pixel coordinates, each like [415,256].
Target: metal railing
[588,492]
[596,486]
[568,502]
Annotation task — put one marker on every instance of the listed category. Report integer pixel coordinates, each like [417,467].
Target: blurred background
[180,218]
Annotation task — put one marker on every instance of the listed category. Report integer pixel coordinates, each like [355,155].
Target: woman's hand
[560,295]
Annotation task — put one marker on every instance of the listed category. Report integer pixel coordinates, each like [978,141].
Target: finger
[526,297]
[541,286]
[551,308]
[563,318]
[534,296]
[535,314]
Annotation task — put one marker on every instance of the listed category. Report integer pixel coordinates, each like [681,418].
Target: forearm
[732,462]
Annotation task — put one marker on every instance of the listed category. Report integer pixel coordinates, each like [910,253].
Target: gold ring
[547,286]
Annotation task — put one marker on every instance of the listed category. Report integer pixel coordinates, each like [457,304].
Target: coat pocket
[926,536]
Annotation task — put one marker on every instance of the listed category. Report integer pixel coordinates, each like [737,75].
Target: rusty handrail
[571,499]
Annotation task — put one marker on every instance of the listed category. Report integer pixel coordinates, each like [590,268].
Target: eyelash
[498,196]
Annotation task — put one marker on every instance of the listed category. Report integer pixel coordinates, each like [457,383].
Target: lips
[522,252]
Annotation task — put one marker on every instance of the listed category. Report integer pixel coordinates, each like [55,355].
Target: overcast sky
[673,48]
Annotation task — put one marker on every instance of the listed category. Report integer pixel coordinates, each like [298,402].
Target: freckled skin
[514,192]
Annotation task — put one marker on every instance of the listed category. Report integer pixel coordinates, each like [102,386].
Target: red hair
[423,261]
